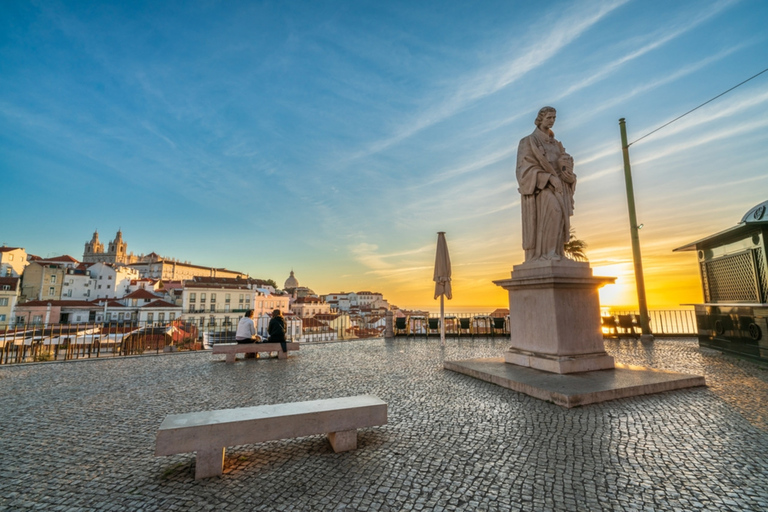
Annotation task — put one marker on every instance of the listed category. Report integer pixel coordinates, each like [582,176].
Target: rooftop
[452,442]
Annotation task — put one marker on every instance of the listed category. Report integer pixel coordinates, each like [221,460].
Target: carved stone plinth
[554,317]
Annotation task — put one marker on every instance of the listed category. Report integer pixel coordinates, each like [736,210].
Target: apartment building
[215,302]
[9,297]
[13,260]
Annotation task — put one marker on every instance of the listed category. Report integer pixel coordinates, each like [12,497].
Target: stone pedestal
[554,313]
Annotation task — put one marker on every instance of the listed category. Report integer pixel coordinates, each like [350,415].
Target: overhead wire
[696,108]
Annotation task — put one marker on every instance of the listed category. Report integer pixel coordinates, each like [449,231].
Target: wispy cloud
[485,82]
[658,39]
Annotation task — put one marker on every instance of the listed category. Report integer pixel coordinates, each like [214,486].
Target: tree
[574,248]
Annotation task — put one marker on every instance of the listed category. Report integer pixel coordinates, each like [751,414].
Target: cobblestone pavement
[80,435]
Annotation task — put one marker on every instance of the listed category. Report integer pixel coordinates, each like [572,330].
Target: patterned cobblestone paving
[80,435]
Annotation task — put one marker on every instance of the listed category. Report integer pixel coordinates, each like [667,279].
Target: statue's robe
[546,212]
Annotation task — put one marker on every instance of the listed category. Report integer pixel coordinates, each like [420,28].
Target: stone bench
[209,432]
[232,349]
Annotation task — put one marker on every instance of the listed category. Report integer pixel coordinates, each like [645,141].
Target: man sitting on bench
[246,332]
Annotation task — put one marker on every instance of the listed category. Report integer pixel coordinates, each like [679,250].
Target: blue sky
[336,138]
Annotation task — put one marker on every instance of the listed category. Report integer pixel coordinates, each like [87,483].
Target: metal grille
[762,275]
[705,281]
[732,279]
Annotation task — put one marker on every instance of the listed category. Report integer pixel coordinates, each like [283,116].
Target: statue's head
[543,113]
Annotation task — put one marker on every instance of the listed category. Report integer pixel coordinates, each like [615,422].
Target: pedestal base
[554,317]
[574,390]
[559,364]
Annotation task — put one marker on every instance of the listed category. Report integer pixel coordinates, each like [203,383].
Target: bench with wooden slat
[208,433]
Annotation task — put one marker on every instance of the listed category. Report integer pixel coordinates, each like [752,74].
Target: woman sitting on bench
[276,329]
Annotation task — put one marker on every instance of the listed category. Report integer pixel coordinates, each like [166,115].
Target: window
[213,297]
[2,318]
[53,279]
[241,298]
[109,277]
[192,297]
[51,291]
[202,297]
[226,298]
[4,301]
[10,257]
[161,317]
[213,308]
[37,319]
[226,308]
[191,308]
[99,287]
[109,286]
[150,317]
[171,316]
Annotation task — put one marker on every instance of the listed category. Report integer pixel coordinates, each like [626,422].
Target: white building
[112,280]
[77,284]
[344,301]
[218,303]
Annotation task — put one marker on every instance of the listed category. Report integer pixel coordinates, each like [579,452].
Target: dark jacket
[276,329]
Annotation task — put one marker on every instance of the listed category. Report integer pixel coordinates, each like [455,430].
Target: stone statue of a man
[546,180]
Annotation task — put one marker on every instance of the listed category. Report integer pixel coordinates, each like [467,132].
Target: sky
[336,138]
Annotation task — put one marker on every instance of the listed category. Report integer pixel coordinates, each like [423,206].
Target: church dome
[291,282]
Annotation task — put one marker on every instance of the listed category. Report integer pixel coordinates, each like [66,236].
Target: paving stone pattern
[80,435]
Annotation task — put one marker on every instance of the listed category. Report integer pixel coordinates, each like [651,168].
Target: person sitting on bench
[276,329]
[246,331]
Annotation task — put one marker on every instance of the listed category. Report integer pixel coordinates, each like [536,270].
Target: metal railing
[666,322]
[64,342]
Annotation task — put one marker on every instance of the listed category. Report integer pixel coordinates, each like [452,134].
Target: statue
[547,182]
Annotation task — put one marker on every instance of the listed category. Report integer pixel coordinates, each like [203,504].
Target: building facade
[13,260]
[9,296]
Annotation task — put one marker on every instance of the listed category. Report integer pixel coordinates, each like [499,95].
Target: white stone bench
[209,432]
[232,349]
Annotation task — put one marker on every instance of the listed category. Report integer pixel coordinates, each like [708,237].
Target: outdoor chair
[482,325]
[465,325]
[433,325]
[499,325]
[609,323]
[627,324]
[401,326]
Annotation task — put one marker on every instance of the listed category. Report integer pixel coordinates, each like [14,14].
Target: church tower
[94,250]
[117,249]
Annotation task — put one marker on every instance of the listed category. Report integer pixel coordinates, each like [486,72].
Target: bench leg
[343,441]
[209,463]
[282,355]
[230,358]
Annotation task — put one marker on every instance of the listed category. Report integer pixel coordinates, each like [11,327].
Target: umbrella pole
[442,320]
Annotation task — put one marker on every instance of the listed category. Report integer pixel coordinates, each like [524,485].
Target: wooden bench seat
[232,349]
[209,432]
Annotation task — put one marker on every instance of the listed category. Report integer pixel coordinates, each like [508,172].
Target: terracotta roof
[12,281]
[65,258]
[326,317]
[9,249]
[309,300]
[500,312]
[60,303]
[140,294]
[312,322]
[160,304]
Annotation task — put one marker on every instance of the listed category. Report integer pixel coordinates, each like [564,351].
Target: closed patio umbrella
[442,278]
